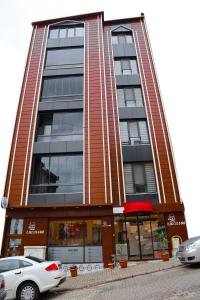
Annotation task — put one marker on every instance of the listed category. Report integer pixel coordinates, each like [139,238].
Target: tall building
[91,170]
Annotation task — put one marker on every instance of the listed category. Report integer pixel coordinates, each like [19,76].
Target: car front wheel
[28,291]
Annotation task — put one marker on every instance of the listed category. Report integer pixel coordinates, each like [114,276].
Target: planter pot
[165,256]
[111,265]
[123,263]
[73,271]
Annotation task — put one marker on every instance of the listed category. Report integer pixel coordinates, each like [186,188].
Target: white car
[27,277]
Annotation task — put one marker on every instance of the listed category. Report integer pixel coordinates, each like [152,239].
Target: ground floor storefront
[91,236]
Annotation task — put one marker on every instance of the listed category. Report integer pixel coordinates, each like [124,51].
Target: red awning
[131,207]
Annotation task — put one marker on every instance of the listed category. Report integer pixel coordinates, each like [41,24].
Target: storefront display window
[158,229]
[75,241]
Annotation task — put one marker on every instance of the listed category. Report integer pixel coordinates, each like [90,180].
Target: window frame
[123,61]
[49,184]
[43,115]
[66,28]
[135,100]
[119,36]
[144,176]
[130,136]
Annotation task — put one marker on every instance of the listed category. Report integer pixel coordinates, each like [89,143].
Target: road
[178,283]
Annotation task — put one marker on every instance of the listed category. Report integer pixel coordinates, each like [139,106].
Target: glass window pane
[129,95]
[93,234]
[139,179]
[69,86]
[54,33]
[122,39]
[120,98]
[128,178]
[150,178]
[16,226]
[67,233]
[134,134]
[138,97]
[118,67]
[41,170]
[114,40]
[143,132]
[70,32]
[124,132]
[134,68]
[62,33]
[129,39]
[64,56]
[79,31]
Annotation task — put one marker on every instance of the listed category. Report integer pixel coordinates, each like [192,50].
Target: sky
[173,27]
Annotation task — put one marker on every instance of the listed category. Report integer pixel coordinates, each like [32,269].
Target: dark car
[2,288]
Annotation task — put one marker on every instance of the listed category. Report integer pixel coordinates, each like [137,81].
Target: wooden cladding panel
[23,134]
[160,139]
[115,146]
[97,176]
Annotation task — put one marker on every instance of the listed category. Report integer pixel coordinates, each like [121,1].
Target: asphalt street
[178,283]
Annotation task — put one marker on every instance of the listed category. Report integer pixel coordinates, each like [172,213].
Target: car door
[11,270]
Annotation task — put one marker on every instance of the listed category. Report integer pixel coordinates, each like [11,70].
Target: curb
[115,280]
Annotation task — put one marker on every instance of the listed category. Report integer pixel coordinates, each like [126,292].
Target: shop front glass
[141,236]
[75,241]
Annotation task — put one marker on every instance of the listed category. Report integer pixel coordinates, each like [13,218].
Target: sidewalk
[107,275]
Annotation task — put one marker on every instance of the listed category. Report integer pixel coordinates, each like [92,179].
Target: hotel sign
[171,221]
[34,229]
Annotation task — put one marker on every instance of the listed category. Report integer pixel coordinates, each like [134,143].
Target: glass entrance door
[145,236]
[133,240]
[139,238]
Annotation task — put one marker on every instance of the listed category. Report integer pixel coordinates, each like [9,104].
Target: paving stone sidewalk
[107,275]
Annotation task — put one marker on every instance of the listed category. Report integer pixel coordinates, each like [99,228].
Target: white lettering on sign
[32,229]
[172,221]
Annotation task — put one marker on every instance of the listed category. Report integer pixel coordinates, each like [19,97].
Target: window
[130,97]
[16,226]
[126,67]
[66,87]
[62,126]
[122,38]
[24,264]
[139,178]
[75,241]
[63,57]
[66,32]
[57,174]
[134,132]
[9,264]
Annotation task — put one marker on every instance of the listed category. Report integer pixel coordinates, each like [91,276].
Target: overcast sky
[175,38]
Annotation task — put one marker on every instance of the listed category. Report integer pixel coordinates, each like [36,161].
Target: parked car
[27,277]
[2,288]
[189,251]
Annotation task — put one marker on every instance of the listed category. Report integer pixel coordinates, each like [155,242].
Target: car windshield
[36,259]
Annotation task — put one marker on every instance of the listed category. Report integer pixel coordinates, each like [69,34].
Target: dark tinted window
[62,126]
[57,174]
[68,56]
[35,259]
[68,87]
[66,32]
[8,265]
[24,264]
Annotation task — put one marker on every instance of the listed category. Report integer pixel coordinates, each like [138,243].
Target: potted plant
[164,242]
[73,271]
[122,260]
